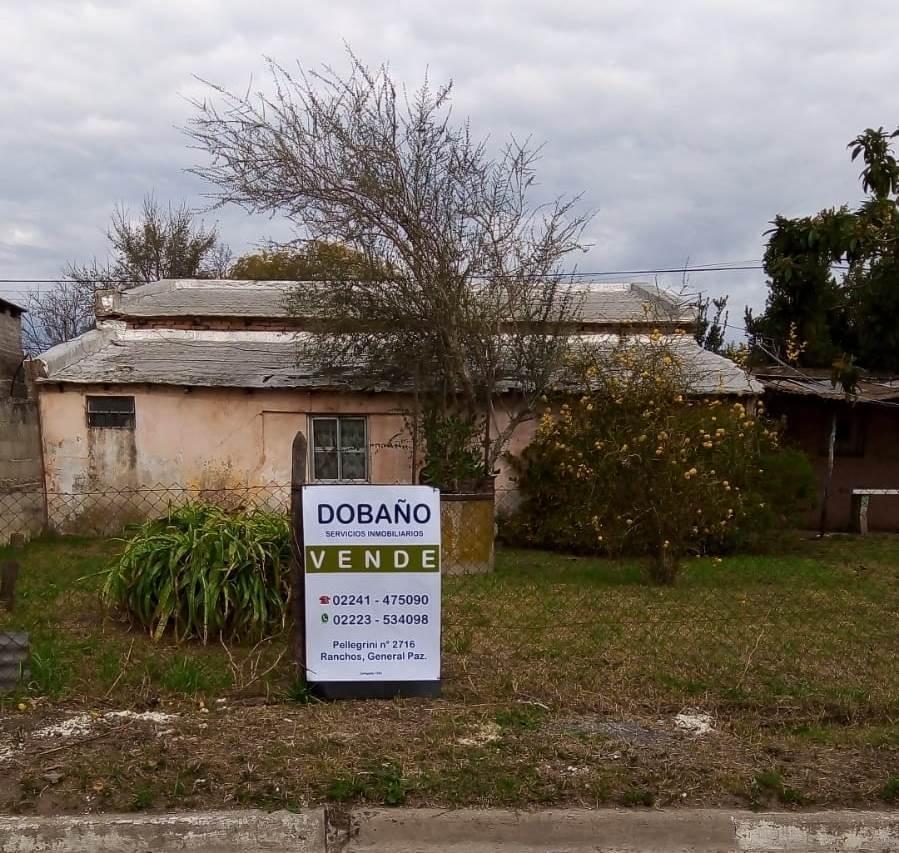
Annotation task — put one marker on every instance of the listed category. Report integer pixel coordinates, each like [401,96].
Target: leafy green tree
[839,316]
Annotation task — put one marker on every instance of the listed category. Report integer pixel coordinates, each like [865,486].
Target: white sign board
[372,558]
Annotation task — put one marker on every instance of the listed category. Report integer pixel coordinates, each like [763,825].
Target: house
[866,450]
[21,499]
[196,384]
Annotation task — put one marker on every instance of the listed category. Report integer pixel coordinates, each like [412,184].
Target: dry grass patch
[563,679]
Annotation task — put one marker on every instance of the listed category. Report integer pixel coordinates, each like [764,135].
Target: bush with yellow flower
[628,460]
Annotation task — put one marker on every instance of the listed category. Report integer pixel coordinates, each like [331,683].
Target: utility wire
[718,267]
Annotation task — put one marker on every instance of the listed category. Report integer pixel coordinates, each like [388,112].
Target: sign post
[372,590]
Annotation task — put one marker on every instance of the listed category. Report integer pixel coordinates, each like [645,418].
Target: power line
[717,267]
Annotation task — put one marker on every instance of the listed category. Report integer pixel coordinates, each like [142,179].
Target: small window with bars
[339,449]
[110,412]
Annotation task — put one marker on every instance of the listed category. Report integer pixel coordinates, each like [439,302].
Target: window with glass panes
[339,448]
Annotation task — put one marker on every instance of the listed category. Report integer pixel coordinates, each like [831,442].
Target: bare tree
[464,298]
[163,242]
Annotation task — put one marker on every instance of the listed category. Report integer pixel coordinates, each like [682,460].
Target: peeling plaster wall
[201,439]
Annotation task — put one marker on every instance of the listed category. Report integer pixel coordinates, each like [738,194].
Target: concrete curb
[620,831]
[339,830]
[206,832]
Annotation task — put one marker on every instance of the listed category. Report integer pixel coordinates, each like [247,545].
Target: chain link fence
[814,628]
[28,511]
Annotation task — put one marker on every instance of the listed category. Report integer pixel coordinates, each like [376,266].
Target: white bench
[859,507]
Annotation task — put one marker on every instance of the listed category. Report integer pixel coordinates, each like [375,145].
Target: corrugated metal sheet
[14,658]
[269,360]
[221,298]
[810,386]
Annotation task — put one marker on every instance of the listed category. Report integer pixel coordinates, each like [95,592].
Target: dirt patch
[435,753]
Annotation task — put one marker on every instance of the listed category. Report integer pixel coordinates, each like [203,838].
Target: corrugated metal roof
[269,360]
[223,298]
[809,386]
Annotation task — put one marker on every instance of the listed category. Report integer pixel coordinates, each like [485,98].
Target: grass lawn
[563,679]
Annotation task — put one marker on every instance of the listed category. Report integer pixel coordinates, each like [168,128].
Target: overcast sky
[687,125]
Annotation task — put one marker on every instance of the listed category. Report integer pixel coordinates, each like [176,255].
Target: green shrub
[205,573]
[632,463]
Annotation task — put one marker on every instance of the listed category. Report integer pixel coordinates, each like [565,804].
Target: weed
[50,670]
[189,676]
[300,693]
[527,717]
[144,796]
[380,783]
[890,792]
[768,780]
[769,785]
[389,785]
[343,789]
[638,797]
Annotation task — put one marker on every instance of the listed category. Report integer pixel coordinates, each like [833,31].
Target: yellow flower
[628,521]
[624,448]
[707,444]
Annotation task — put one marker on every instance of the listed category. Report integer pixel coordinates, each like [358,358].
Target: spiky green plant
[206,573]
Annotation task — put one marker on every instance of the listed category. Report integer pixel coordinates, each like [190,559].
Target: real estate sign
[372,563]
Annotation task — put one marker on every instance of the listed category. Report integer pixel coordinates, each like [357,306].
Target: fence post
[828,472]
[297,554]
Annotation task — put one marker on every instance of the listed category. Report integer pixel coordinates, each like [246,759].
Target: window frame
[366,454]
[129,418]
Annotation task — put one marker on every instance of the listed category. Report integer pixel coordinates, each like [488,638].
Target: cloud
[687,125]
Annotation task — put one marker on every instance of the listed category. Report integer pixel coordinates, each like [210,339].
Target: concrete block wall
[21,479]
[10,342]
